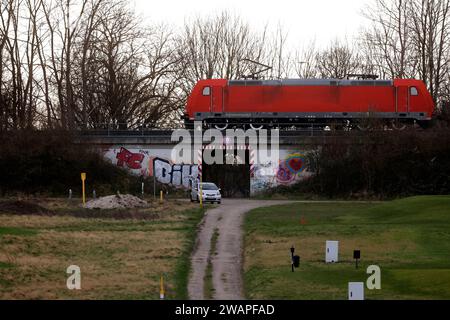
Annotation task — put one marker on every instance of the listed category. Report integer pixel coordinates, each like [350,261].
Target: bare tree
[224,47]
[410,39]
[431,31]
[4,90]
[338,60]
[387,42]
[63,20]
[305,61]
[125,73]
[277,55]
[216,48]
[18,52]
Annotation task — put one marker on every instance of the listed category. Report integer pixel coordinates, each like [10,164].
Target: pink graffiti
[284,175]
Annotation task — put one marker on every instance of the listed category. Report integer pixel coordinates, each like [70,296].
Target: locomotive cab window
[206,91]
[413,91]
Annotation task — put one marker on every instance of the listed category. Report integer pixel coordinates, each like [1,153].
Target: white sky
[304,20]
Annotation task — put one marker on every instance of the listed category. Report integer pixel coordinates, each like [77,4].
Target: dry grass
[119,259]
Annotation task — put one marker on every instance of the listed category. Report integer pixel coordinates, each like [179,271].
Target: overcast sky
[304,20]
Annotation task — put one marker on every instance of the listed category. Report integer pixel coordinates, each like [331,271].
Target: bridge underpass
[232,178]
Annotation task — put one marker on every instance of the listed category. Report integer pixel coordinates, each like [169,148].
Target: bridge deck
[148,137]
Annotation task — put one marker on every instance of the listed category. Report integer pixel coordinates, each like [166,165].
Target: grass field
[120,258]
[408,239]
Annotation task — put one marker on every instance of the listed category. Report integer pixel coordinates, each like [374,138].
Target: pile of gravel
[120,201]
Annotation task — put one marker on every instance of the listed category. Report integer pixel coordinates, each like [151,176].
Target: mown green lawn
[408,239]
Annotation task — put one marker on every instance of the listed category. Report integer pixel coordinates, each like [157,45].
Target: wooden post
[161,288]
[83,179]
[201,193]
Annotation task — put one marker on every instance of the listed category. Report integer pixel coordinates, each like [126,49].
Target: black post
[292,258]
[356,256]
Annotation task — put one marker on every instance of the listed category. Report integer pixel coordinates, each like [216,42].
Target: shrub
[379,165]
[49,162]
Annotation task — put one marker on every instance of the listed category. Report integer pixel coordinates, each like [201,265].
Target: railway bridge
[149,153]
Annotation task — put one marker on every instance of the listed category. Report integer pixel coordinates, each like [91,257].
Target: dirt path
[227,263]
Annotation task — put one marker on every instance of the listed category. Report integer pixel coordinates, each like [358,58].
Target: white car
[211,193]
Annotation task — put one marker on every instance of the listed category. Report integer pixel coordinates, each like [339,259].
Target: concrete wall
[147,160]
[291,168]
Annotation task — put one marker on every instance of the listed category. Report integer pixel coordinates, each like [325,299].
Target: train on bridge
[359,103]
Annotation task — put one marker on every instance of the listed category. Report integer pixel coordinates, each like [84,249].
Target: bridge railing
[125,130]
[285,129]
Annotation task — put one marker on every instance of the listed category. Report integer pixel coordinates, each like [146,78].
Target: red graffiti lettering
[132,160]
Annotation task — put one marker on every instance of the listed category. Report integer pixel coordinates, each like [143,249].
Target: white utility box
[331,251]
[356,291]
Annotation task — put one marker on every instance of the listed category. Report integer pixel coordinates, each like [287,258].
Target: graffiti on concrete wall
[291,168]
[174,174]
[129,159]
[149,162]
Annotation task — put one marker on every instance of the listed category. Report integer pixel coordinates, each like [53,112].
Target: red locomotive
[296,102]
